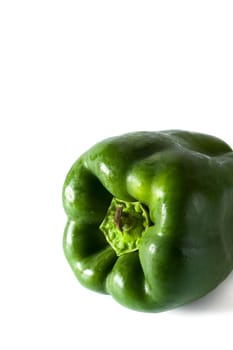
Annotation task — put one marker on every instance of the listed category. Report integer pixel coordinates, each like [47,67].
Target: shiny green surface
[185,180]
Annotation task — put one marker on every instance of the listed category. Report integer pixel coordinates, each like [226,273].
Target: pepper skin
[150,218]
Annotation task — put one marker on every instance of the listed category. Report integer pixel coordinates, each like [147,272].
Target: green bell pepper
[150,217]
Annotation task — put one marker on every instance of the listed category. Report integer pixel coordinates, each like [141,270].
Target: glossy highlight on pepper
[150,217]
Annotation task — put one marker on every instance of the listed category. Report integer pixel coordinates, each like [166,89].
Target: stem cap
[124,225]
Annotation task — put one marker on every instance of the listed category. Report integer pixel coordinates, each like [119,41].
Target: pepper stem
[124,225]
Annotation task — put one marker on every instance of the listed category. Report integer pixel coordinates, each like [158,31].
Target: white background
[71,74]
